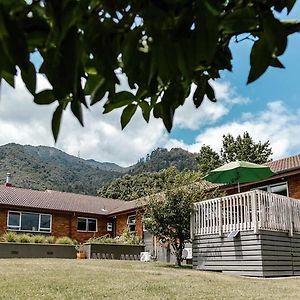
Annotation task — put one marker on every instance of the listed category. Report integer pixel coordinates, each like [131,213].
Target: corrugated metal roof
[285,164]
[53,200]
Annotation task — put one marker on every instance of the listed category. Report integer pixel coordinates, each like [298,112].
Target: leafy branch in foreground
[163,47]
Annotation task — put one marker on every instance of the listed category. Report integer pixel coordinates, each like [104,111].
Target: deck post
[254,212]
[220,216]
[192,225]
[291,229]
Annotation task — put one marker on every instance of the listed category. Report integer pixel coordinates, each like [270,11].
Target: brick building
[81,217]
[65,214]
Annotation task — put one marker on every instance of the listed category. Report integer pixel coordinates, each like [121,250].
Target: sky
[269,109]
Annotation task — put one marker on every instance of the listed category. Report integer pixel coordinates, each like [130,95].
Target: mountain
[162,158]
[49,168]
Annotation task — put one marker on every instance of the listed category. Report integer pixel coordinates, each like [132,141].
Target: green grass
[99,279]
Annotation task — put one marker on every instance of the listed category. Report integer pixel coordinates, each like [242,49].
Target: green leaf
[210,93]
[29,78]
[240,20]
[198,96]
[118,100]
[260,59]
[127,114]
[44,97]
[77,110]
[276,63]
[146,109]
[56,120]
[9,78]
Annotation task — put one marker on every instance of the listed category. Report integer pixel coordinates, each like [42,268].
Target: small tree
[208,159]
[168,217]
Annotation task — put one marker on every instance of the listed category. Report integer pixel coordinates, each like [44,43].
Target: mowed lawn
[99,279]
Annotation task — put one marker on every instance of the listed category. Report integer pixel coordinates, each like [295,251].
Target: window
[279,188]
[87,224]
[109,227]
[131,223]
[27,221]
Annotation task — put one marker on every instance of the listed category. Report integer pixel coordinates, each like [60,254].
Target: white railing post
[220,216]
[291,229]
[254,212]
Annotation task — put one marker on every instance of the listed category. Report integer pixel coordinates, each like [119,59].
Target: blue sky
[268,109]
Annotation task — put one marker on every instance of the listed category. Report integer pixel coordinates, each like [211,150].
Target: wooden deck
[252,210]
[266,241]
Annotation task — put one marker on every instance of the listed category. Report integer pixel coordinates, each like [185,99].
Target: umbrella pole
[239,190]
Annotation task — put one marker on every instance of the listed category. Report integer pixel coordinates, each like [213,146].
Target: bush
[10,237]
[23,238]
[50,239]
[102,240]
[65,240]
[126,238]
[38,239]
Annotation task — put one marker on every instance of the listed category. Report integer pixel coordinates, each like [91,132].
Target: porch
[254,233]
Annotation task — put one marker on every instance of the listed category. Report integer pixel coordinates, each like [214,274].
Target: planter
[113,251]
[81,255]
[20,250]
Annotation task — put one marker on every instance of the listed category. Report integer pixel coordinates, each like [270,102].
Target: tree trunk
[178,247]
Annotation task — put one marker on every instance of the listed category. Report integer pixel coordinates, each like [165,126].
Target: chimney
[8,178]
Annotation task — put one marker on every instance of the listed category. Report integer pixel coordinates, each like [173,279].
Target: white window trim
[18,228]
[133,223]
[86,224]
[268,186]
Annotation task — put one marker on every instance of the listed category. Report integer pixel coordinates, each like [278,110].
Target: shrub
[65,240]
[102,240]
[23,238]
[50,239]
[38,239]
[125,238]
[10,237]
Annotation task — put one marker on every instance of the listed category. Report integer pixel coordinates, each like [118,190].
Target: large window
[87,224]
[278,188]
[131,223]
[27,221]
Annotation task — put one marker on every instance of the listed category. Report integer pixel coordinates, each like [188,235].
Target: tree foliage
[241,148]
[168,217]
[131,187]
[161,46]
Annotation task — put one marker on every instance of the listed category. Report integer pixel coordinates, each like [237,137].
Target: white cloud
[22,121]
[277,123]
[188,117]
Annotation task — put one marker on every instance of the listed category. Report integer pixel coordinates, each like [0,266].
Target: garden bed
[113,251]
[29,250]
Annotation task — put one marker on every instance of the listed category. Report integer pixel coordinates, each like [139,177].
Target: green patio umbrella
[239,172]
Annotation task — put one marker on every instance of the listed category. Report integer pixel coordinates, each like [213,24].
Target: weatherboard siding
[265,254]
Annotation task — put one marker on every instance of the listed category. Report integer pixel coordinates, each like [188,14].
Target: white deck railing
[252,210]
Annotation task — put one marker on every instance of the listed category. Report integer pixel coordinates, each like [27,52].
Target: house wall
[63,224]
[293,185]
[265,254]
[121,223]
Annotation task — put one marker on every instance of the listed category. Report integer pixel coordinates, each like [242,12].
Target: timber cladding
[266,254]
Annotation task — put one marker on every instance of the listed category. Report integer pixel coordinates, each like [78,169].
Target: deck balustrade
[252,210]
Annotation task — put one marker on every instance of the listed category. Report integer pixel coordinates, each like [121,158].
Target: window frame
[18,228]
[269,186]
[131,223]
[86,224]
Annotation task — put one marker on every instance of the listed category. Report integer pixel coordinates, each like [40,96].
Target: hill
[161,158]
[49,168]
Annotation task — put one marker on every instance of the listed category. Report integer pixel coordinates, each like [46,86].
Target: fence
[252,210]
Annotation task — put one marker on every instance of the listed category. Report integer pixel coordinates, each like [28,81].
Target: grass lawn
[98,279]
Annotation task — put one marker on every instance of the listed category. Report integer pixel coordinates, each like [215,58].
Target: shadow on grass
[173,266]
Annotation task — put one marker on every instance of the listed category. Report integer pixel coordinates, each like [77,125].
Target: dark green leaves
[44,97]
[160,47]
[271,43]
[127,114]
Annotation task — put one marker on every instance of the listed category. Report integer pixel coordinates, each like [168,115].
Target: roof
[285,164]
[58,201]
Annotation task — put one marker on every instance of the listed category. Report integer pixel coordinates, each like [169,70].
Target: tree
[244,148]
[163,47]
[131,187]
[208,159]
[167,216]
[241,148]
